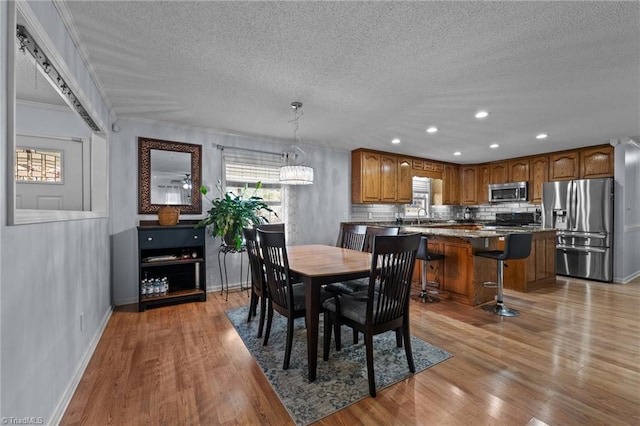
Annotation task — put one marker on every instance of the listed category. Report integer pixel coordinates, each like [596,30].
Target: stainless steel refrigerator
[581,211]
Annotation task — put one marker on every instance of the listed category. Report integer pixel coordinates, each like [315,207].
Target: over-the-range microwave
[507,192]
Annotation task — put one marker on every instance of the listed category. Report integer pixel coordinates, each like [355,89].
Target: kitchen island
[461,274]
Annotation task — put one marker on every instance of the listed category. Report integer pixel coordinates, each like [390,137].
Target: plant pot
[229,239]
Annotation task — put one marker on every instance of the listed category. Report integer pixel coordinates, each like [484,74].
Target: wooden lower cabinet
[536,271]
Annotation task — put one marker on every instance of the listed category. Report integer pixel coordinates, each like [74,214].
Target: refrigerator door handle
[581,234]
[581,249]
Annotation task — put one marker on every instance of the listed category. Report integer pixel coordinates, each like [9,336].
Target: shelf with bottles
[171,266]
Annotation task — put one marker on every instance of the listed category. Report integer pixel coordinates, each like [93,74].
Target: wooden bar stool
[516,246]
[426,257]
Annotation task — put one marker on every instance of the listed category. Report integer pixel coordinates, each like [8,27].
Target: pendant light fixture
[293,172]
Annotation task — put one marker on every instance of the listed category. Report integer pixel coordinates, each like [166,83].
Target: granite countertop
[448,229]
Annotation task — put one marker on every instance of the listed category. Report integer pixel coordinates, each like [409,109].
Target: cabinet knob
[195,237]
[149,238]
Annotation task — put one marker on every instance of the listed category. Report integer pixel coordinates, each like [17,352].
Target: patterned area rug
[342,380]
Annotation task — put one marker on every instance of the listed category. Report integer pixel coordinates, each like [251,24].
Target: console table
[176,253]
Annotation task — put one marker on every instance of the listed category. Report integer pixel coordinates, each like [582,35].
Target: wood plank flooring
[572,357]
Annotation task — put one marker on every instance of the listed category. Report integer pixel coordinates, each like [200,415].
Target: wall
[321,206]
[50,274]
[627,211]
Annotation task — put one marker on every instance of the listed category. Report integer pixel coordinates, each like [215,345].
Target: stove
[513,219]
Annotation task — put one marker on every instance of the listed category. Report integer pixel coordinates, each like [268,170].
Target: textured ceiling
[367,72]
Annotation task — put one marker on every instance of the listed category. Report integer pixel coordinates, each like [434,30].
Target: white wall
[627,211]
[50,273]
[316,210]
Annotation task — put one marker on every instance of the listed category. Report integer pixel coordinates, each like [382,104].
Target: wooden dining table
[315,266]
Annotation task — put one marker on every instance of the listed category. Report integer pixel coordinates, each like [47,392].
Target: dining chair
[273,227]
[259,290]
[352,236]
[354,286]
[285,297]
[384,306]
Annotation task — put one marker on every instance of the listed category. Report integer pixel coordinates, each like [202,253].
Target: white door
[67,193]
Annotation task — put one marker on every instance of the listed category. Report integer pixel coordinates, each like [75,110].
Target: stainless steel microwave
[508,192]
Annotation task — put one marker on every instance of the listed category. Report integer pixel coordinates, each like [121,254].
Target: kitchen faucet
[421,209]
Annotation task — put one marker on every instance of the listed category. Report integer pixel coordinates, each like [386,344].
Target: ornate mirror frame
[145,145]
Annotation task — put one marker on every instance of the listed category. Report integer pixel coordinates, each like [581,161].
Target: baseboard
[128,301]
[61,407]
[627,279]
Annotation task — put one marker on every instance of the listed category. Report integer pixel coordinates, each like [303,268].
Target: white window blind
[248,168]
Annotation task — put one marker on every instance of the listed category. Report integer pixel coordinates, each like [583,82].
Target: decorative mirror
[169,174]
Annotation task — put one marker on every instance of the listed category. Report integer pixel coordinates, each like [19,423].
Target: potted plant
[231,212]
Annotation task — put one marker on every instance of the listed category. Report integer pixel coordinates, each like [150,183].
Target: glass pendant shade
[296,175]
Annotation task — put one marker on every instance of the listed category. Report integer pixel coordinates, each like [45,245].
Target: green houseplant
[231,212]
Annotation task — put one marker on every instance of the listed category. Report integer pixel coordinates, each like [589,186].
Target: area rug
[342,380]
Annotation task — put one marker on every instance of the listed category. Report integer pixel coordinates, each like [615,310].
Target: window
[238,174]
[38,166]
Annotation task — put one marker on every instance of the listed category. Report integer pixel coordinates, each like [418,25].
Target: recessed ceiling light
[494,145]
[432,129]
[457,153]
[542,136]
[482,114]
[395,141]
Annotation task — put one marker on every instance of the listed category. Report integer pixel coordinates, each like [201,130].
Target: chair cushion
[348,287]
[354,309]
[299,296]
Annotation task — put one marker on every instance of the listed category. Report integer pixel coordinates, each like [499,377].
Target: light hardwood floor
[571,358]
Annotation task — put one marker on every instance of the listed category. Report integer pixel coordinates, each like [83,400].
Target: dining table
[316,265]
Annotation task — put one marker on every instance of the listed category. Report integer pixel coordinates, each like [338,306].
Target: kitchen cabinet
[388,178]
[426,168]
[405,194]
[536,271]
[171,262]
[468,185]
[539,174]
[378,177]
[597,162]
[564,165]
[518,170]
[499,172]
[451,184]
[482,186]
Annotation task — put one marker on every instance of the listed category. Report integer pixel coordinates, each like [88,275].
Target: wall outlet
[81,321]
[370,215]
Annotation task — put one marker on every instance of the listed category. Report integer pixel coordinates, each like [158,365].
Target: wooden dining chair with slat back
[285,297]
[384,306]
[352,236]
[358,285]
[259,290]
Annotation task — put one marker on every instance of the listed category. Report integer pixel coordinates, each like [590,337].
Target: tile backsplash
[387,212]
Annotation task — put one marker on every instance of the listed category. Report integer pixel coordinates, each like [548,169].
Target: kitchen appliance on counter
[513,219]
[581,211]
[508,192]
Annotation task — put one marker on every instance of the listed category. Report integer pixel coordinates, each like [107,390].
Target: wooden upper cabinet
[378,177]
[499,172]
[365,176]
[468,185]
[564,165]
[482,185]
[451,184]
[597,162]
[539,168]
[519,170]
[389,178]
[405,190]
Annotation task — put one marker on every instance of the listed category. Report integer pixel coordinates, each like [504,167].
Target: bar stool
[516,246]
[426,257]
